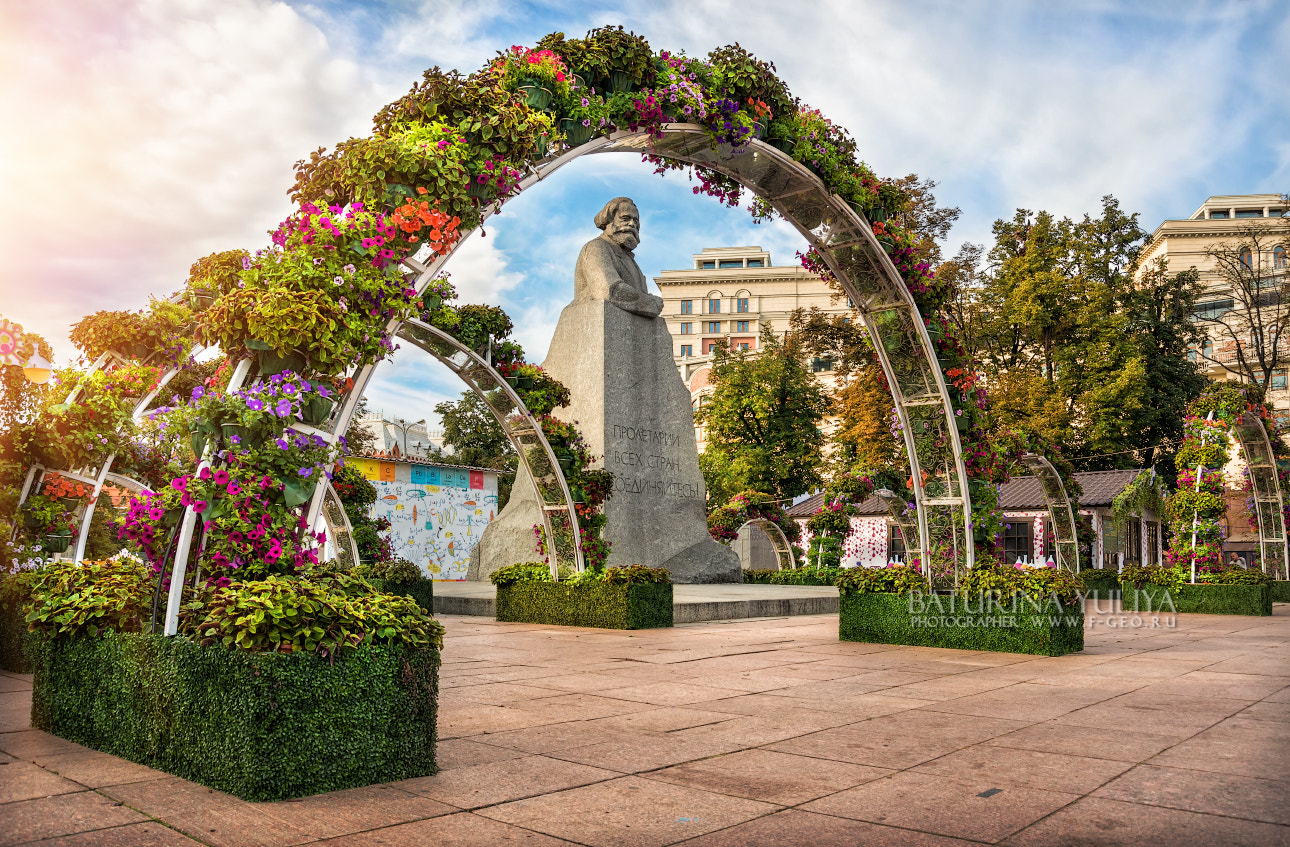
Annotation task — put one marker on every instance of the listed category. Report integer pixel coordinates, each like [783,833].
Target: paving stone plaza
[765,731]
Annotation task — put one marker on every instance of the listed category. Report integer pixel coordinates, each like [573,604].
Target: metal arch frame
[1059,505]
[846,242]
[777,538]
[469,366]
[339,529]
[1269,505]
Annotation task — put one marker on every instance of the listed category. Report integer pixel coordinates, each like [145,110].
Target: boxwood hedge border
[261,726]
[950,621]
[601,605]
[421,590]
[1281,591]
[1200,599]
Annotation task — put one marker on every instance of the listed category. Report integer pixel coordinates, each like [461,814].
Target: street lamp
[405,426]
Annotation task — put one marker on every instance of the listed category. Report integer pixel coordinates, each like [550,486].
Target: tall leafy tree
[475,438]
[763,421]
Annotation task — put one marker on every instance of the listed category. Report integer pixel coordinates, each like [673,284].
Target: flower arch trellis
[460,142]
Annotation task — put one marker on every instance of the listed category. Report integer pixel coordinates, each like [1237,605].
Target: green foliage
[900,579]
[419,589]
[950,621]
[744,77]
[637,575]
[1139,496]
[261,726]
[1140,575]
[1199,599]
[1237,576]
[393,570]
[724,521]
[296,615]
[521,572]
[70,598]
[795,576]
[589,603]
[1280,591]
[1185,503]
[15,593]
[162,332]
[1004,581]
[762,422]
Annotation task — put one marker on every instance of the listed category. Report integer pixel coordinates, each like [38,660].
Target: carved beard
[625,237]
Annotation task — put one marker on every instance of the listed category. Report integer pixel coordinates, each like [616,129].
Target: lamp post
[404,426]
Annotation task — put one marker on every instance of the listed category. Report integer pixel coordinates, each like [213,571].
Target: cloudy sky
[140,135]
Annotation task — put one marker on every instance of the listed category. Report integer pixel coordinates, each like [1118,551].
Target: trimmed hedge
[262,726]
[793,576]
[1280,591]
[1101,588]
[421,590]
[1201,599]
[603,605]
[13,626]
[949,621]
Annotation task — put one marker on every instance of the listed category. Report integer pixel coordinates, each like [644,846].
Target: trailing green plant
[637,575]
[1236,576]
[1141,575]
[521,572]
[1141,495]
[897,579]
[69,598]
[392,570]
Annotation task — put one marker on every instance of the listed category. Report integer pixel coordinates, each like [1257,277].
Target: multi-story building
[400,438]
[1223,222]
[726,299]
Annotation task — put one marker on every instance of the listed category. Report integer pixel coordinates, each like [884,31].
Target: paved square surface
[759,732]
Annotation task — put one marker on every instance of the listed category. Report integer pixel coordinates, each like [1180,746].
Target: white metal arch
[775,534]
[1268,504]
[1060,512]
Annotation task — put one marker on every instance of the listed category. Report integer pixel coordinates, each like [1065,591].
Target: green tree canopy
[476,438]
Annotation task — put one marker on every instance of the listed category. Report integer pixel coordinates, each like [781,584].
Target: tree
[476,438]
[920,215]
[762,421]
[1250,336]
[359,440]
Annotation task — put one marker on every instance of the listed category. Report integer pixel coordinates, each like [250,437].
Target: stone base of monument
[598,605]
[948,621]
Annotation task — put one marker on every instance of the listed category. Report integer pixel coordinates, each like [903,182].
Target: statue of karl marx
[607,269]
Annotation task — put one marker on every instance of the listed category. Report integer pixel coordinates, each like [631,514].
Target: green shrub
[589,603]
[262,726]
[1006,581]
[1200,599]
[419,589]
[521,572]
[895,580]
[1096,574]
[794,576]
[1139,575]
[1281,591]
[1015,626]
[391,570]
[69,597]
[15,591]
[637,575]
[1237,576]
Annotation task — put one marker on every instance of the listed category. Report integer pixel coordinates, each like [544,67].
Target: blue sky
[141,135]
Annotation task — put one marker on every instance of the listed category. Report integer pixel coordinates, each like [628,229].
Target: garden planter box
[421,590]
[1102,588]
[1202,599]
[13,633]
[948,621]
[1281,591]
[600,604]
[800,576]
[262,726]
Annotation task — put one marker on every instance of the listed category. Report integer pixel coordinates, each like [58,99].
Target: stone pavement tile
[15,711]
[1093,742]
[1267,710]
[741,731]
[647,752]
[1099,822]
[640,672]
[148,834]
[795,828]
[94,769]
[629,812]
[460,830]
[772,777]
[466,721]
[1200,791]
[9,683]
[886,678]
[849,709]
[1265,663]
[34,745]
[985,767]
[952,686]
[494,693]
[749,682]
[1180,715]
[581,683]
[499,782]
[557,737]
[1241,746]
[897,741]
[665,719]
[1024,701]
[216,818]
[1282,696]
[568,707]
[353,810]
[810,671]
[943,806]
[1236,686]
[63,814]
[670,693]
[25,781]
[464,752]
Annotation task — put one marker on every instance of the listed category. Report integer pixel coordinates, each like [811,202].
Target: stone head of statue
[621,222]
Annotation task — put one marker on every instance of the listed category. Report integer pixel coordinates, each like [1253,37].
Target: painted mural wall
[436,513]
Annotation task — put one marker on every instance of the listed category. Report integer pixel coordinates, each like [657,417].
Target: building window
[1279,380]
[687,349]
[708,344]
[730,263]
[1249,213]
[1279,257]
[1214,309]
[742,326]
[895,544]
[1207,350]
[714,306]
[755,263]
[819,365]
[687,307]
[1132,539]
[1247,257]
[707,266]
[1218,216]
[1153,542]
[714,326]
[1016,540]
[687,329]
[743,345]
[741,305]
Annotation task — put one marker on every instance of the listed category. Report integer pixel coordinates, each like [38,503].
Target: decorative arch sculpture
[1269,507]
[777,538]
[1060,512]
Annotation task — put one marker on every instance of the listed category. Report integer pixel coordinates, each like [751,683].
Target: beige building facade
[726,298]
[1224,221]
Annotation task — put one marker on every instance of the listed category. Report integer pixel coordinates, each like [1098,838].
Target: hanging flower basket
[231,431]
[317,410]
[484,191]
[784,145]
[538,95]
[271,363]
[56,542]
[620,82]
[575,133]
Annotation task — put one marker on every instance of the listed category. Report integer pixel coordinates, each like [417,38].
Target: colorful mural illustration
[436,513]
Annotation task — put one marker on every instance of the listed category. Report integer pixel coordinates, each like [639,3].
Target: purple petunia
[284,408]
[282,444]
[254,404]
[306,471]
